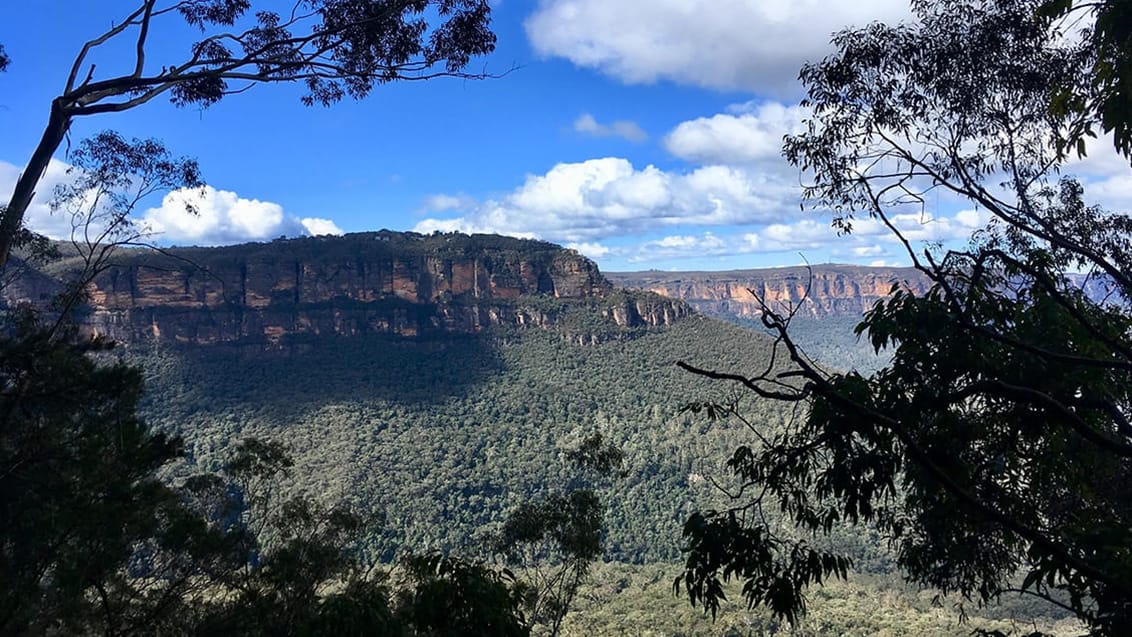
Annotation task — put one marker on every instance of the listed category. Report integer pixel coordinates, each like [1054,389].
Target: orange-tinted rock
[824,290]
[394,283]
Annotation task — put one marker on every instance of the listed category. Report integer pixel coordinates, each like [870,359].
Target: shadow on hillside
[286,382]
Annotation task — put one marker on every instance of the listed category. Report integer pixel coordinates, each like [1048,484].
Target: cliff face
[822,291]
[392,283]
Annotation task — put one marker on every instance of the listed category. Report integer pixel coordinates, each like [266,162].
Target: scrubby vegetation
[447,434]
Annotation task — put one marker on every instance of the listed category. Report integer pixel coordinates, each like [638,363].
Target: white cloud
[813,236]
[598,198]
[39,216]
[867,232]
[1105,174]
[705,244]
[972,219]
[622,128]
[209,216]
[752,136]
[221,216]
[868,251]
[806,233]
[591,250]
[677,242]
[1101,159]
[317,226]
[1113,192]
[722,44]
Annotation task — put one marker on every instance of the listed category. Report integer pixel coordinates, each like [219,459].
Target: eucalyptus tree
[995,450]
[334,48]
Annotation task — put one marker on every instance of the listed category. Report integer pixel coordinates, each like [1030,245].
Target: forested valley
[440,438]
[450,432]
[435,440]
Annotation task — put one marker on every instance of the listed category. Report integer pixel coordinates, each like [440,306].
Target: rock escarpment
[382,282]
[820,291]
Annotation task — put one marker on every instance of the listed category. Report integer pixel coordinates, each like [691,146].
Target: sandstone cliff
[820,291]
[382,282]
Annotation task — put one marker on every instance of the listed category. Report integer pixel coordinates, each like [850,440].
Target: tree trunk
[13,216]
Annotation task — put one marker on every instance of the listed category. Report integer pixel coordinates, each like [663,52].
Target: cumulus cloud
[588,204]
[622,128]
[705,244]
[204,216]
[598,198]
[591,250]
[722,44]
[1105,175]
[208,216]
[1101,159]
[1112,192]
[972,219]
[317,226]
[39,216]
[868,251]
[214,217]
[745,136]
[807,235]
[918,227]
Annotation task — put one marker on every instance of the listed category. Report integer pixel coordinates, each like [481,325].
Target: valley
[437,382]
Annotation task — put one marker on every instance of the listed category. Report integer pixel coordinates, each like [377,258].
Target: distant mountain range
[826,291]
[819,291]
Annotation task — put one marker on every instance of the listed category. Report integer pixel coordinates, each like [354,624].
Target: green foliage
[501,251]
[571,522]
[1102,97]
[93,540]
[621,599]
[556,537]
[446,435]
[598,457]
[775,573]
[994,450]
[454,598]
[333,48]
[299,570]
[79,495]
[1008,408]
[832,341]
[303,573]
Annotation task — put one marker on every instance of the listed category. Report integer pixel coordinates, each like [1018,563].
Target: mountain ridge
[385,282]
[828,290]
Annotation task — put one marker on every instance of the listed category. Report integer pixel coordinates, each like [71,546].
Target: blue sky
[643,134]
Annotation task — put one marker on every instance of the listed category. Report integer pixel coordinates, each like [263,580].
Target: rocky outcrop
[820,291]
[385,282]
